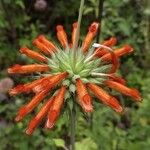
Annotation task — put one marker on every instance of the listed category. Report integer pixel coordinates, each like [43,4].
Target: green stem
[77,32]
[99,18]
[72,127]
[78,24]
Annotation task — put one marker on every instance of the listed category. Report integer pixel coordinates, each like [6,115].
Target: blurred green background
[129,20]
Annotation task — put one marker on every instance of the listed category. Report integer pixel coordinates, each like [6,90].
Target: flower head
[68,70]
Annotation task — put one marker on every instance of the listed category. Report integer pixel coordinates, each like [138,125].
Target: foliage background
[129,20]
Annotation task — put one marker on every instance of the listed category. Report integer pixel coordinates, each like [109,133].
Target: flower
[68,70]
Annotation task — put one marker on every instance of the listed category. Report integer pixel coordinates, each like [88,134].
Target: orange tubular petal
[125,90]
[28,68]
[38,85]
[117,79]
[118,52]
[101,51]
[85,99]
[26,109]
[47,43]
[53,81]
[56,108]
[115,62]
[58,77]
[18,89]
[90,35]
[62,36]
[105,97]
[40,115]
[27,87]
[32,54]
[74,32]
[42,47]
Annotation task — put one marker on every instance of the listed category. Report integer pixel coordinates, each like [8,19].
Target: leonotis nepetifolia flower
[71,69]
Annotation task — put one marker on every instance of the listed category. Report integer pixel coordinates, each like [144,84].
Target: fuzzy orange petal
[26,109]
[28,68]
[56,108]
[38,85]
[62,36]
[48,81]
[74,32]
[47,43]
[27,87]
[105,97]
[117,79]
[118,52]
[85,99]
[42,47]
[125,90]
[101,51]
[40,115]
[32,54]
[90,35]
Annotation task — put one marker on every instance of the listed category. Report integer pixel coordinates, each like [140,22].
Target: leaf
[59,142]
[87,144]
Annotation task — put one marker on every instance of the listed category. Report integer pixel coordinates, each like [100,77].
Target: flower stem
[78,31]
[78,24]
[99,18]
[72,127]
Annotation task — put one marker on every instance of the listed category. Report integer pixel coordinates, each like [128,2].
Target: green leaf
[59,142]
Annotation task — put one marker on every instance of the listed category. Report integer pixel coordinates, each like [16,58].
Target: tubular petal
[105,97]
[90,35]
[27,87]
[38,118]
[85,99]
[62,36]
[32,54]
[42,47]
[47,43]
[74,32]
[26,109]
[49,81]
[125,90]
[118,52]
[59,77]
[56,107]
[101,51]
[28,68]
[52,118]
[39,96]
[42,85]
[117,79]
[18,89]
[115,62]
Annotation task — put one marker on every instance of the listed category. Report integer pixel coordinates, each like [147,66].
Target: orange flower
[85,99]
[62,36]
[101,51]
[24,110]
[47,43]
[42,47]
[117,79]
[56,107]
[26,87]
[123,89]
[32,54]
[38,85]
[40,115]
[118,52]
[105,98]
[74,32]
[72,71]
[28,68]
[90,35]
